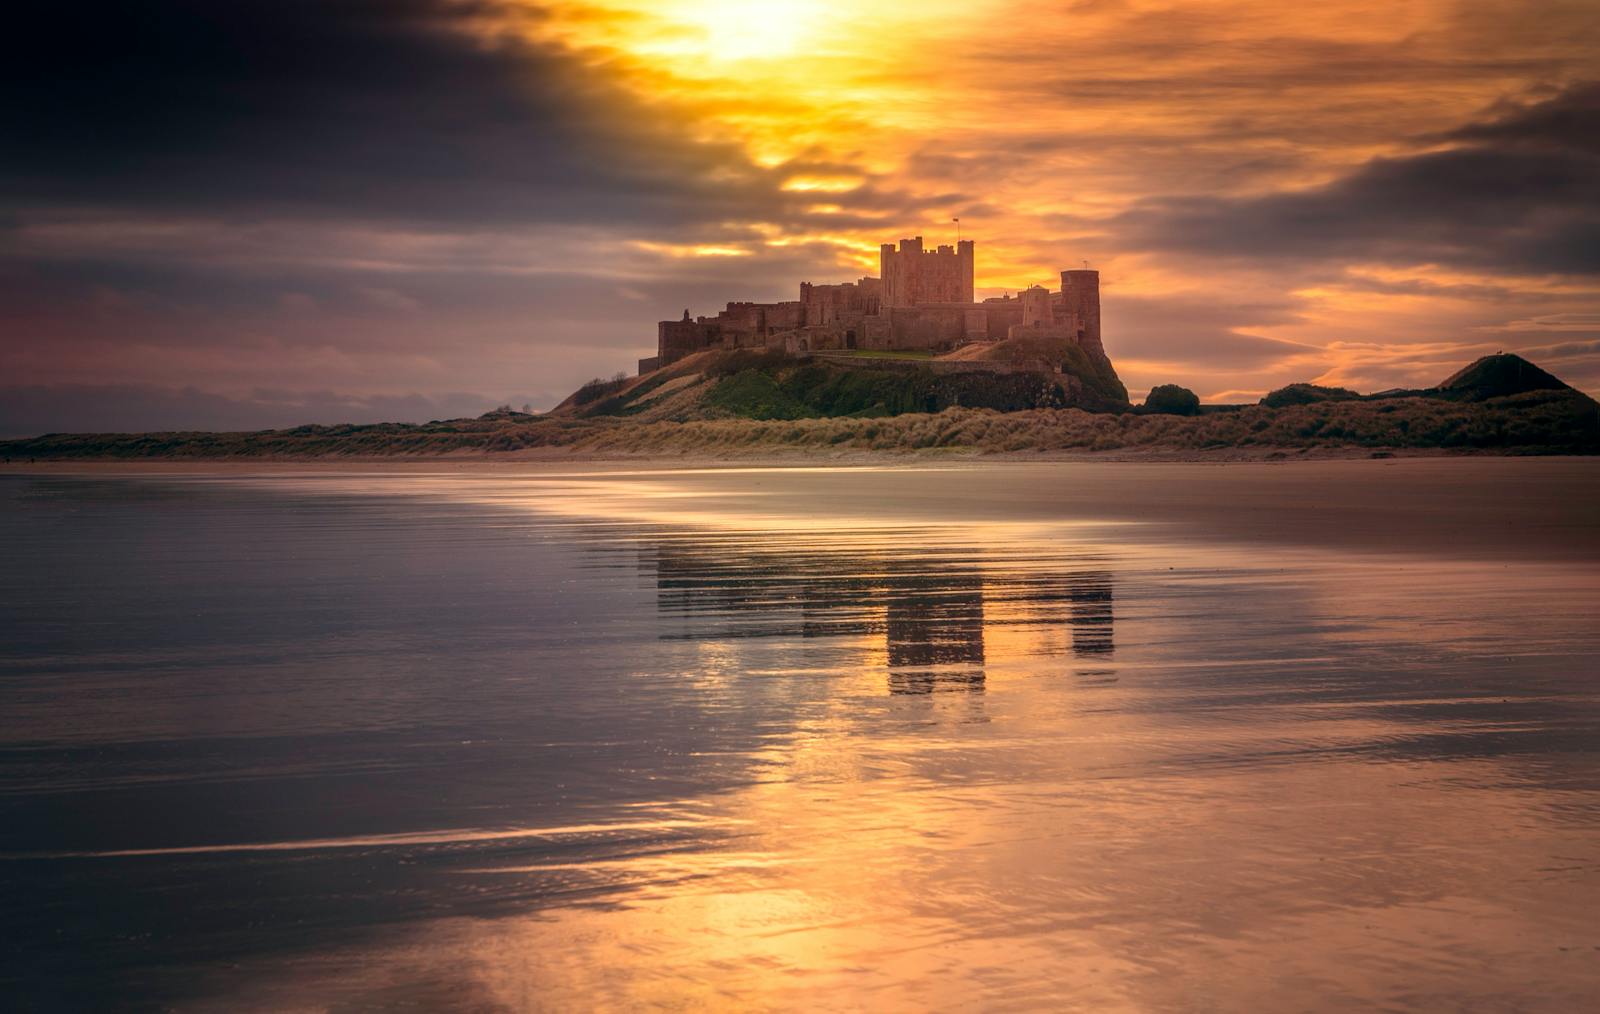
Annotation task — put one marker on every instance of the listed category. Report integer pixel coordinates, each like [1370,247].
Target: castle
[922,300]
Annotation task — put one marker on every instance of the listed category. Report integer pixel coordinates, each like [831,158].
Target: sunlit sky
[263,213]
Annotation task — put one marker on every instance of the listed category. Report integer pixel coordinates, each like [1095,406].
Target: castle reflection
[932,606]
[934,629]
[1092,615]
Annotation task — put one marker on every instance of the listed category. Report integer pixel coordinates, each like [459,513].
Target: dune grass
[1541,422]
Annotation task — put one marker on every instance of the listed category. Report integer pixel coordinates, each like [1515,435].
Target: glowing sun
[727,30]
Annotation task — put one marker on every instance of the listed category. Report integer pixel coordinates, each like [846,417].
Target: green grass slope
[768,386]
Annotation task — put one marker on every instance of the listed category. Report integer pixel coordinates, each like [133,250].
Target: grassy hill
[767,385]
[1499,375]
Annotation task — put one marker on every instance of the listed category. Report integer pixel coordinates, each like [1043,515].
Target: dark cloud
[33,410]
[184,300]
[381,195]
[1563,122]
[394,109]
[1520,194]
[187,334]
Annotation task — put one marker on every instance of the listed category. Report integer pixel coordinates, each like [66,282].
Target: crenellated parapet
[912,275]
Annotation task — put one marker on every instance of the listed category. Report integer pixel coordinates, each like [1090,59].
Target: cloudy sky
[266,212]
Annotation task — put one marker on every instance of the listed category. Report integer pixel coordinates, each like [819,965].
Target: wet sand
[1488,507]
[1071,735]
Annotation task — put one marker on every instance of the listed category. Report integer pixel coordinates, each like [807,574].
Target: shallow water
[1150,737]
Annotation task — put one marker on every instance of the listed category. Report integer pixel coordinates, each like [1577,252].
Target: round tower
[1080,297]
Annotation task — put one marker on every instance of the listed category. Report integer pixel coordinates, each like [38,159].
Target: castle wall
[943,326]
[678,338]
[939,366]
[1053,331]
[926,327]
[999,317]
[745,322]
[976,323]
[784,316]
[741,318]
[828,305]
[739,326]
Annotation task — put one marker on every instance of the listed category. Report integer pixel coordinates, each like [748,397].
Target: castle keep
[912,275]
[922,300]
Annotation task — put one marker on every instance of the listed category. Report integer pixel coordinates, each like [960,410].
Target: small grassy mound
[1306,394]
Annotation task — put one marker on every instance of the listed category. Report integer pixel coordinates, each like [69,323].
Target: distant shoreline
[1545,422]
[799,458]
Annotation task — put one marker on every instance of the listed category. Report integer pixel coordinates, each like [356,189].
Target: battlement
[912,275]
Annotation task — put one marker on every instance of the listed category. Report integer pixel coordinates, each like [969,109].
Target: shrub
[1170,399]
[1306,394]
[596,389]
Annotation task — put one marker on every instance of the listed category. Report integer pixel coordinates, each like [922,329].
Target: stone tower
[912,275]
[1080,297]
[1036,310]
